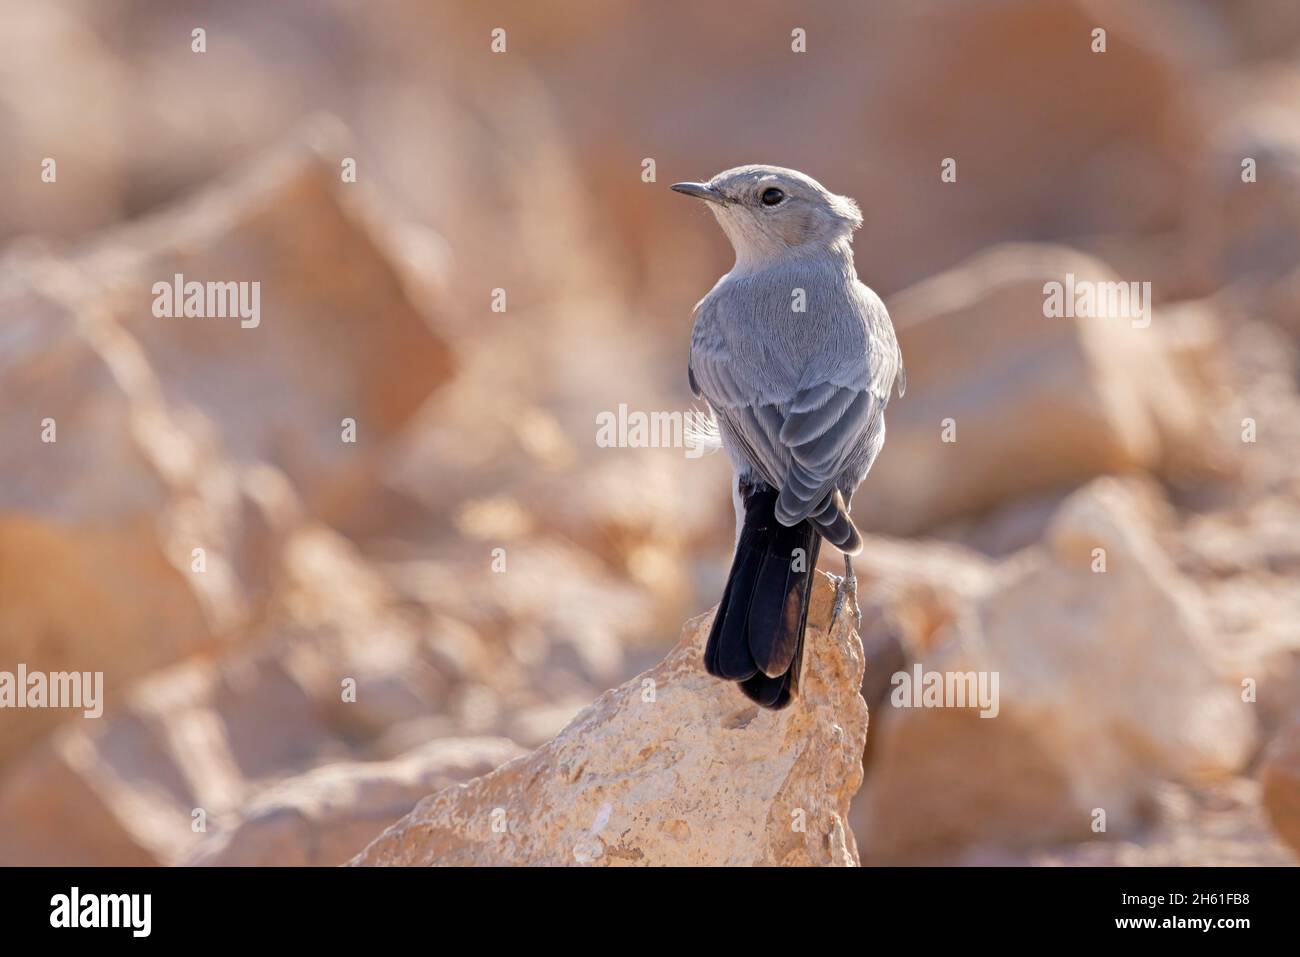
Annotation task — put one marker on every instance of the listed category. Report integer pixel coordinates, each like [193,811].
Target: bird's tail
[757,634]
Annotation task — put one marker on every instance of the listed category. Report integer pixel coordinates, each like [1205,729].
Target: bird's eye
[772,196]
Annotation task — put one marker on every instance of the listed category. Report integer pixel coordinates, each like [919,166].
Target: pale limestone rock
[1215,825]
[339,335]
[1035,402]
[1244,558]
[100,515]
[124,789]
[36,98]
[672,768]
[209,732]
[1107,685]
[323,817]
[56,810]
[187,450]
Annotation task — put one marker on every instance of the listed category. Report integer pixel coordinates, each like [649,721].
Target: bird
[796,359]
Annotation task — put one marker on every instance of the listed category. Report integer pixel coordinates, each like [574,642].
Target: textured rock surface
[1108,684]
[672,768]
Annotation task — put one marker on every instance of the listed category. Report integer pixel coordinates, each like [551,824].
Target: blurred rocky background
[476,567]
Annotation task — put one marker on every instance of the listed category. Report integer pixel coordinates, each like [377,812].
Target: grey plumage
[799,396]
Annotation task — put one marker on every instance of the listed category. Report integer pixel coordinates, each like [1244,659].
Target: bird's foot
[845,588]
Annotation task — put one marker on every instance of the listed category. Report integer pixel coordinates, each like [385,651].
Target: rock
[37,98]
[105,492]
[1247,233]
[151,468]
[161,127]
[127,791]
[1025,134]
[197,736]
[324,817]
[340,667]
[910,594]
[672,768]
[1244,559]
[59,809]
[1035,402]
[123,791]
[1220,824]
[338,338]
[1270,28]
[548,619]
[329,669]
[1280,779]
[1107,685]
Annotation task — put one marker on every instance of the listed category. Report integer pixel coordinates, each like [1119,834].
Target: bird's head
[767,211]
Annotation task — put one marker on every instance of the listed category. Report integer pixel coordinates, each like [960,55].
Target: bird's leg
[846,587]
[851,586]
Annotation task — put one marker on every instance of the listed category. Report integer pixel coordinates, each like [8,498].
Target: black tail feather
[758,632]
[732,656]
[774,693]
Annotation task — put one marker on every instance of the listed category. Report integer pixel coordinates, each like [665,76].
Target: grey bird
[797,360]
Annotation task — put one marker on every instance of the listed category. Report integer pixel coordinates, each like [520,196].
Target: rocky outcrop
[671,768]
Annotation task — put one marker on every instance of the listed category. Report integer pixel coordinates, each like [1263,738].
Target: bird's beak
[700,191]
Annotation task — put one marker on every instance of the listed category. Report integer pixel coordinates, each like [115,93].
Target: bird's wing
[823,428]
[753,427]
[799,444]
[836,418]
[798,429]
